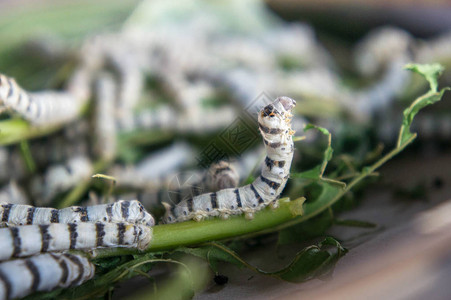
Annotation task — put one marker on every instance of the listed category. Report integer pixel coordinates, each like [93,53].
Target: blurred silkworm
[60,178]
[33,239]
[39,108]
[126,211]
[44,272]
[105,141]
[12,193]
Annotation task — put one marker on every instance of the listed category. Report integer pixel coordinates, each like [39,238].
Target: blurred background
[167,89]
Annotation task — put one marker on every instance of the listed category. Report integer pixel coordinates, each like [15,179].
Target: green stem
[171,236]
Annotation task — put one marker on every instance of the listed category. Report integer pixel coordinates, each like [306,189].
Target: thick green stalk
[171,236]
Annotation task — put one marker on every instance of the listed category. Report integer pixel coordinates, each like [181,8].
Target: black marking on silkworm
[35,274]
[68,169]
[222,169]
[30,215]
[213,199]
[45,237]
[189,203]
[270,130]
[55,216]
[120,233]
[6,211]
[83,212]
[268,110]
[272,184]
[100,233]
[109,211]
[73,235]
[11,88]
[135,233]
[272,145]
[64,268]
[17,242]
[79,264]
[238,198]
[29,103]
[173,210]
[125,205]
[257,195]
[269,162]
[7,283]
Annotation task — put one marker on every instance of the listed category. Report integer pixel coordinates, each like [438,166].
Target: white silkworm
[105,140]
[32,239]
[193,120]
[380,47]
[126,211]
[437,49]
[156,169]
[39,108]
[44,272]
[274,123]
[61,177]
[12,193]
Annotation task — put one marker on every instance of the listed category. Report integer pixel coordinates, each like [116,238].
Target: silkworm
[12,193]
[44,272]
[380,95]
[105,140]
[298,43]
[61,177]
[380,47]
[32,239]
[156,170]
[39,108]
[193,120]
[437,49]
[127,211]
[274,124]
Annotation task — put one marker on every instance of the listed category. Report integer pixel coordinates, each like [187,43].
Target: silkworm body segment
[43,272]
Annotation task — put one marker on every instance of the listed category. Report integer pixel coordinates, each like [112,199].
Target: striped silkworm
[39,108]
[274,123]
[126,211]
[33,239]
[44,272]
[105,140]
